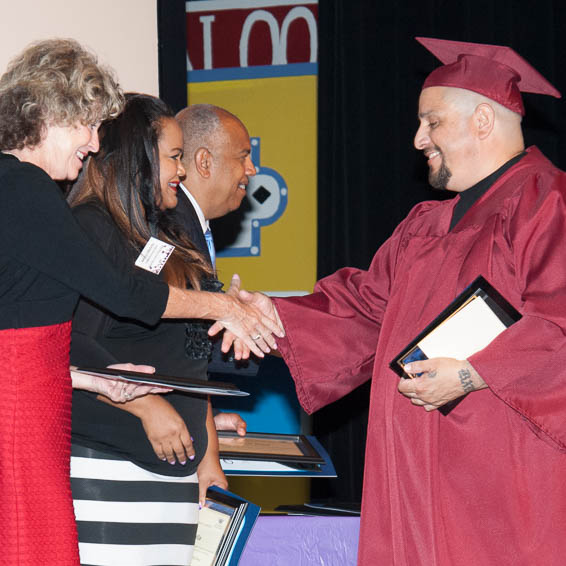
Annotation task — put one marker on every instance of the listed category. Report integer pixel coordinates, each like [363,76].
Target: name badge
[154,255]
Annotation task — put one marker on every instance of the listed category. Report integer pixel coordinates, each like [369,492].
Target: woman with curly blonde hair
[52,99]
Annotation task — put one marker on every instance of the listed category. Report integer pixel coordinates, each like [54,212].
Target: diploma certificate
[225,523]
[467,325]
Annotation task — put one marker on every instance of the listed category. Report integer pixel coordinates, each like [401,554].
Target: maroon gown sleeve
[526,365]
[331,335]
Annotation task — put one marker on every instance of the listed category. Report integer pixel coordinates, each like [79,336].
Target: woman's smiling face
[171,170]
[63,149]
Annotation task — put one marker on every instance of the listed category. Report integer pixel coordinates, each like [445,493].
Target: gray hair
[202,125]
[55,81]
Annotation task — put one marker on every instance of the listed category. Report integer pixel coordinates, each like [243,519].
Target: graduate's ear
[203,161]
[484,120]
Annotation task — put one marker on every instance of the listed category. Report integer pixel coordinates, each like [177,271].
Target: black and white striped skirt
[127,516]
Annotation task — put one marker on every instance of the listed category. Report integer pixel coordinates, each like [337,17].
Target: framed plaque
[294,448]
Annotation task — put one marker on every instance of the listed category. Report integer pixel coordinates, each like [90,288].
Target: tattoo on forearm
[466,380]
[432,373]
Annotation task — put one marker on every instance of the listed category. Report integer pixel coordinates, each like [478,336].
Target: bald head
[465,136]
[217,157]
[202,125]
[467,101]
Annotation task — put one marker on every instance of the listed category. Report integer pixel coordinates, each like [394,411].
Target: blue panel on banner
[254,72]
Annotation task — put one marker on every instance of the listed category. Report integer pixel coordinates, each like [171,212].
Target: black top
[473,194]
[100,338]
[46,260]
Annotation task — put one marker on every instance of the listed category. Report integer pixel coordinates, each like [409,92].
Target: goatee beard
[439,180]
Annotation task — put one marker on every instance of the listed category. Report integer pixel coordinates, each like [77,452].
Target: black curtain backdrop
[370,73]
[171,52]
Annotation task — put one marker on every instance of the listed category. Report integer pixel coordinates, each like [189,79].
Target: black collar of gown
[471,195]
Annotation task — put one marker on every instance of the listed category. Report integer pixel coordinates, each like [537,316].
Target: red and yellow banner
[258,59]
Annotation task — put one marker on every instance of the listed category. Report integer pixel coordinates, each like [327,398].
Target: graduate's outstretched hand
[442,380]
[261,302]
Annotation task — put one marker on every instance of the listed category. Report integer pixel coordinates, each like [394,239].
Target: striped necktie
[210,244]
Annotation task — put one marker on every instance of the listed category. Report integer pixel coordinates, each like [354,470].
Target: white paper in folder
[467,331]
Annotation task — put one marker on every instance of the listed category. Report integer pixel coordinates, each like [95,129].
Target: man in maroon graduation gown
[486,484]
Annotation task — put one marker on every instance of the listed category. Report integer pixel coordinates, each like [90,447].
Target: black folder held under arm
[466,326]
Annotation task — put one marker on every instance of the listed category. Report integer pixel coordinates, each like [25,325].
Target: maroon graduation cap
[495,71]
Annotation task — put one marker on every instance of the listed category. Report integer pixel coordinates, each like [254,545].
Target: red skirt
[37,524]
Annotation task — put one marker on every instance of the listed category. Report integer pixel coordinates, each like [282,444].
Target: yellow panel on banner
[281,112]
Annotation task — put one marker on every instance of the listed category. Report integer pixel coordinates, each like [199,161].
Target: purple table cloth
[302,541]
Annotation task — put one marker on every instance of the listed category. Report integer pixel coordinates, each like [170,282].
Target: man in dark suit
[217,160]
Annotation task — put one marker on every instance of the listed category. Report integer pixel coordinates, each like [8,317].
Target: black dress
[109,433]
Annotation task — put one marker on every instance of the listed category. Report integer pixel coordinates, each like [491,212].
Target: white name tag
[154,255]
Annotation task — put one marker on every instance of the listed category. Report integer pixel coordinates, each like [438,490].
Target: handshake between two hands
[256,321]
[250,322]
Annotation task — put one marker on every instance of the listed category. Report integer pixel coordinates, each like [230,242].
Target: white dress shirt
[203,221]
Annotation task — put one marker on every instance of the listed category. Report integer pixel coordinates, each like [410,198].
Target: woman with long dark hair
[169,442]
